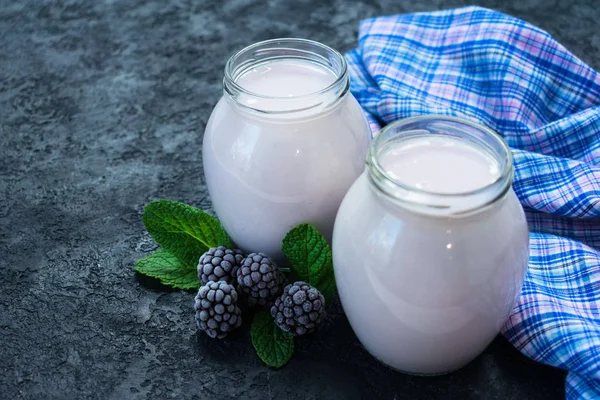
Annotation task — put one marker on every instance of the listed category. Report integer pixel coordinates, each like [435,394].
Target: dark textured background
[102,108]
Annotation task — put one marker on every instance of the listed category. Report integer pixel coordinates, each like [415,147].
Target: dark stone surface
[102,108]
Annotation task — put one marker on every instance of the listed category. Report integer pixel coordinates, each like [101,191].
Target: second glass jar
[284,143]
[430,245]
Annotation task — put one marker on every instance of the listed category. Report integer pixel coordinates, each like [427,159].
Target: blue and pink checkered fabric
[515,78]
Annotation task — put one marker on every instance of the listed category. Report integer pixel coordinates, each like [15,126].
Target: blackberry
[260,279]
[299,309]
[217,312]
[219,264]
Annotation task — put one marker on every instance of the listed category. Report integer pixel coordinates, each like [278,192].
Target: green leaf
[163,265]
[274,346]
[310,257]
[185,231]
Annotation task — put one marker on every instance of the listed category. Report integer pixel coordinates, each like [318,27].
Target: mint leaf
[310,257]
[185,231]
[274,346]
[163,265]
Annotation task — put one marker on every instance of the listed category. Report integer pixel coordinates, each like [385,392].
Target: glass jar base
[421,374]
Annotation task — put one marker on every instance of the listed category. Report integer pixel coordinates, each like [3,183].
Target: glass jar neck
[431,202]
[276,50]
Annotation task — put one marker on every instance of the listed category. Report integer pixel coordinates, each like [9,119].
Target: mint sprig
[310,257]
[162,264]
[311,261]
[274,346]
[185,231]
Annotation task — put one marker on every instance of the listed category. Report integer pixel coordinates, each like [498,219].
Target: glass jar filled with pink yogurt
[430,245]
[284,143]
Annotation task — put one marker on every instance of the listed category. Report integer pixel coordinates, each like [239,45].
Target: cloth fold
[515,78]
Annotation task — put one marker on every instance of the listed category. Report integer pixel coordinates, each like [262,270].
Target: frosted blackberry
[217,312]
[219,264]
[299,309]
[260,279]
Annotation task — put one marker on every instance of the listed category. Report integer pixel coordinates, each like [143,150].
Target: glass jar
[284,143]
[430,245]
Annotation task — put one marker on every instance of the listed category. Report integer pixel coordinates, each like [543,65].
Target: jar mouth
[287,49]
[484,138]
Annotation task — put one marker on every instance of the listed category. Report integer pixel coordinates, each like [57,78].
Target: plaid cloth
[515,78]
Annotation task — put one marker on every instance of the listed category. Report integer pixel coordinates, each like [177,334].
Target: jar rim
[486,194]
[301,49]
